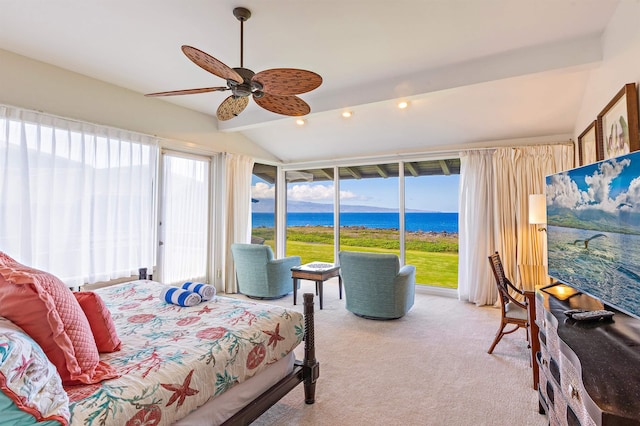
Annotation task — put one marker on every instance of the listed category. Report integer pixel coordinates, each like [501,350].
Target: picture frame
[617,124]
[588,142]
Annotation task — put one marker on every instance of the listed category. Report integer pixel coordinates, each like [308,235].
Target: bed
[224,361]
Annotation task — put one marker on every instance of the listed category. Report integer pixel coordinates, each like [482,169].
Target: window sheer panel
[77,199]
[185,220]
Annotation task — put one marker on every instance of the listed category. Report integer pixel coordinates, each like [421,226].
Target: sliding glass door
[369,219]
[184,219]
[310,215]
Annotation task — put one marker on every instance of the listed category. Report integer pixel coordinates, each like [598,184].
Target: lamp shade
[537,209]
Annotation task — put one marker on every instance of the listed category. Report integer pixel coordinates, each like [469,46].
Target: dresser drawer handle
[545,362]
[575,394]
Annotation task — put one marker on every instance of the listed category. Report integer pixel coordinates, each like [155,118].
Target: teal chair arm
[405,286]
[407,273]
[279,271]
[288,262]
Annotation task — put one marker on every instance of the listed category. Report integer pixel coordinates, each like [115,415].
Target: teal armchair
[259,275]
[375,286]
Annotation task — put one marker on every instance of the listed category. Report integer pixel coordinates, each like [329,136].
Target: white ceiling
[473,70]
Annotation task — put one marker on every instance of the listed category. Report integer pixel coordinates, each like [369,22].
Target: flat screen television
[593,230]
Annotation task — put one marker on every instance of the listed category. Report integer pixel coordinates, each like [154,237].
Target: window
[76,199]
[369,219]
[184,221]
[369,214]
[310,215]
[431,223]
[263,205]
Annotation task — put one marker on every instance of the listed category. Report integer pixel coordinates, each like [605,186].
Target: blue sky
[430,193]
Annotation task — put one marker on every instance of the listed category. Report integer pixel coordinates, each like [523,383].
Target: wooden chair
[513,311]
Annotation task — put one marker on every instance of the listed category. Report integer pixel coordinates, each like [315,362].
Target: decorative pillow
[100,321]
[30,387]
[44,307]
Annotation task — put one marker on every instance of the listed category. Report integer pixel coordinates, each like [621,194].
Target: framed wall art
[588,144]
[618,124]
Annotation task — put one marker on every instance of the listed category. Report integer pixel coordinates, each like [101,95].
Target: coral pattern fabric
[173,359]
[45,308]
[29,379]
[99,317]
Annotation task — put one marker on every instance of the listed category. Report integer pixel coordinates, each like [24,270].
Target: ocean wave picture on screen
[593,227]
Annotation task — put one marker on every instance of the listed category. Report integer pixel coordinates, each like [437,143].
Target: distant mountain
[266,205]
[594,219]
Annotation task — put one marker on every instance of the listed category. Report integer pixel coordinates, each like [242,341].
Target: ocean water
[414,221]
[607,268]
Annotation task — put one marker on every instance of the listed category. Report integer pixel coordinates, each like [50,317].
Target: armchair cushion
[375,285]
[261,276]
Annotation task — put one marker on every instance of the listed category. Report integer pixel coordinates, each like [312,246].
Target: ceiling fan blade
[285,105]
[231,107]
[287,81]
[211,64]
[189,91]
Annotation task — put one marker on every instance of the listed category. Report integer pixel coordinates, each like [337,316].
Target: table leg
[319,285]
[295,290]
[340,285]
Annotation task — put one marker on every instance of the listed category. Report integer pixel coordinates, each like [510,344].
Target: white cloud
[600,184]
[564,192]
[630,200]
[302,192]
[316,193]
[263,190]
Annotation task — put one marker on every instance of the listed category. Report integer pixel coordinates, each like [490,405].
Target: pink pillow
[44,307]
[104,331]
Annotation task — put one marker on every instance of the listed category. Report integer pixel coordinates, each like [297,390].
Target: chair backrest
[259,253]
[368,267]
[502,281]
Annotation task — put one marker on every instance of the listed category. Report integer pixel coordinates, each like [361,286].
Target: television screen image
[593,230]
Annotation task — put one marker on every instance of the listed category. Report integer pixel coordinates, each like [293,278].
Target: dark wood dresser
[589,371]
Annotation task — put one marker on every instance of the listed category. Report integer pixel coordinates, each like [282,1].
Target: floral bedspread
[173,359]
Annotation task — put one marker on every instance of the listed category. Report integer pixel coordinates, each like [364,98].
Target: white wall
[35,85]
[620,64]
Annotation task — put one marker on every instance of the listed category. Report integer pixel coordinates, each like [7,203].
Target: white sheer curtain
[76,199]
[476,227]
[184,229]
[495,187]
[238,172]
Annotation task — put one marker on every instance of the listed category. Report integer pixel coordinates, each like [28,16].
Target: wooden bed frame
[307,371]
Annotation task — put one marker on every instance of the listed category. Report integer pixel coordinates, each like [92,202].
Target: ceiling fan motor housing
[247,87]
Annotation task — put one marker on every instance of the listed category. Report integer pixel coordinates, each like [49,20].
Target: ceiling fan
[273,89]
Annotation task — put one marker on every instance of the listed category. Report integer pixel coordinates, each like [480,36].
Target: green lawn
[435,256]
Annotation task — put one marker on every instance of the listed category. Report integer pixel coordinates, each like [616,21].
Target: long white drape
[76,199]
[530,167]
[184,229]
[238,172]
[476,227]
[503,179]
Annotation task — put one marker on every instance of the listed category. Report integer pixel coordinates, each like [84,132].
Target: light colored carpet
[429,368]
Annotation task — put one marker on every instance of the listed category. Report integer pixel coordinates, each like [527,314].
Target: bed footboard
[306,370]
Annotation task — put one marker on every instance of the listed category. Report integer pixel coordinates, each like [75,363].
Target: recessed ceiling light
[347,114]
[301,121]
[403,104]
